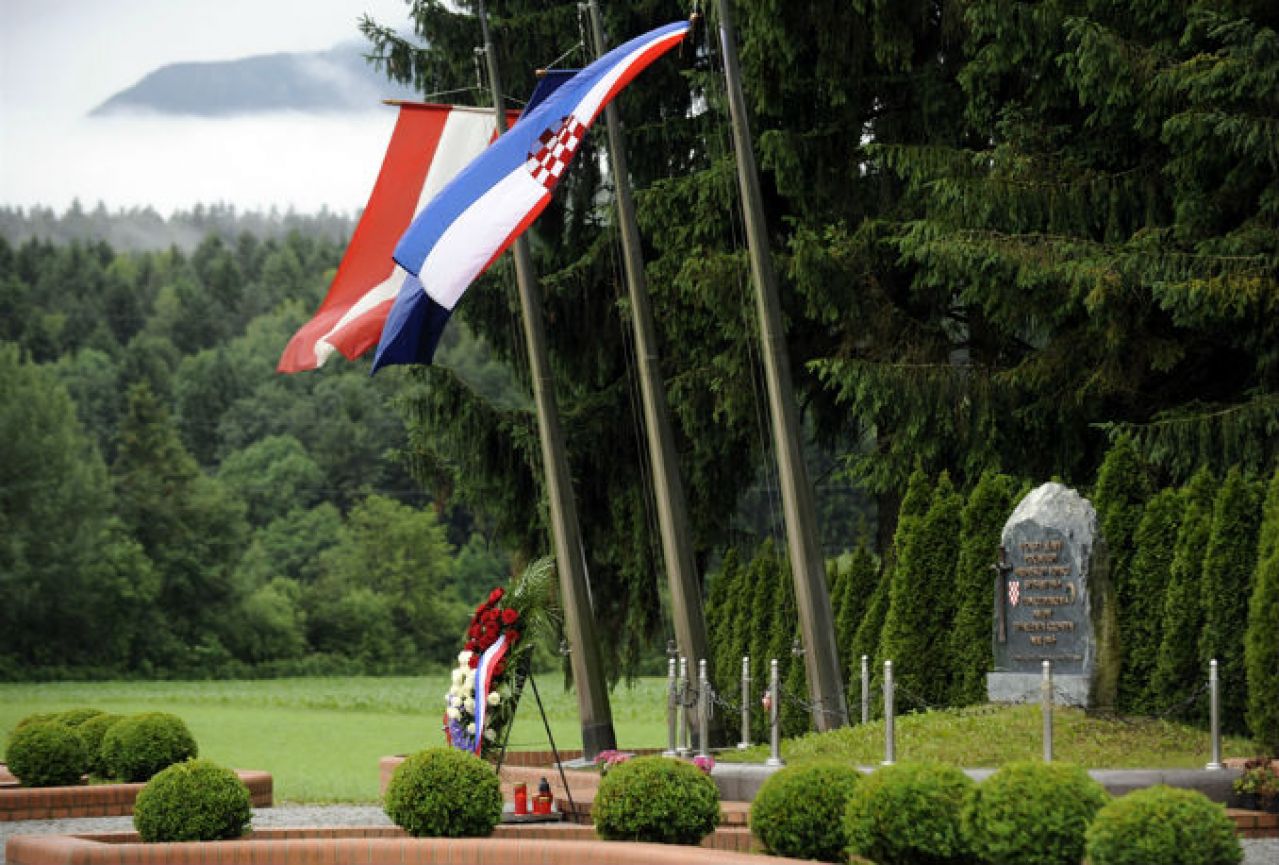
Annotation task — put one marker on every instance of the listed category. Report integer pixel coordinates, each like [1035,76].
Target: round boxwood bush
[1032,813]
[799,811]
[443,792]
[909,814]
[136,747]
[92,731]
[1164,825]
[195,800]
[36,718]
[656,799]
[76,717]
[47,754]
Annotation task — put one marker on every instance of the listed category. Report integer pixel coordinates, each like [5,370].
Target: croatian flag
[494,199]
[483,682]
[429,145]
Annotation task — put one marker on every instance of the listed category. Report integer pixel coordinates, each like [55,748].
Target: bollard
[681,711]
[890,731]
[1214,703]
[775,735]
[670,708]
[703,710]
[1046,706]
[746,704]
[865,689]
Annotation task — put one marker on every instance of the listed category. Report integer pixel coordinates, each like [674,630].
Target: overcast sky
[61,58]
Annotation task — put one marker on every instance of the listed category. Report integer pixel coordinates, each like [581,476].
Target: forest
[1010,236]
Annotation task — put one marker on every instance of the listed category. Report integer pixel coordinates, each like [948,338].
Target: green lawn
[321,738]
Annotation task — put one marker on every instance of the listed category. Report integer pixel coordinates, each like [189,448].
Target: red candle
[521,798]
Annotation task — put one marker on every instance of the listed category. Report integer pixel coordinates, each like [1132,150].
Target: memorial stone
[1053,603]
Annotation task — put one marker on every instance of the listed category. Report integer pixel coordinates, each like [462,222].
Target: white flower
[470,728]
[458,675]
[490,735]
[454,714]
[494,698]
[469,682]
[469,705]
[463,659]
[448,699]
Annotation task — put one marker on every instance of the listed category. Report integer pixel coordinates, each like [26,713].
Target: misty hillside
[337,80]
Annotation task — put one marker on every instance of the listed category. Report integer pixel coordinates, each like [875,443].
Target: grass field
[321,738]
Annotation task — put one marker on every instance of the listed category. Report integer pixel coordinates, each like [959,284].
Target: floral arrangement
[1259,779]
[609,758]
[481,700]
[705,763]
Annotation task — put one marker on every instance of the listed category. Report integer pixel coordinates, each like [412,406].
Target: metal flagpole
[812,599]
[579,619]
[668,489]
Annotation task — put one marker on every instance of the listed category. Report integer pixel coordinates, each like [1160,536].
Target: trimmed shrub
[799,811]
[37,718]
[444,793]
[136,747]
[656,799]
[1032,813]
[196,800]
[46,754]
[76,717]
[92,731]
[909,814]
[1164,825]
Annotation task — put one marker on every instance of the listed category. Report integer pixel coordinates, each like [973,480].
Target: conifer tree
[763,574]
[859,583]
[921,601]
[1261,657]
[1177,672]
[727,638]
[971,652]
[1229,563]
[1154,542]
[795,718]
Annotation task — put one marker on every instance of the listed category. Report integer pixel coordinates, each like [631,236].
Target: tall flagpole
[579,619]
[821,658]
[668,489]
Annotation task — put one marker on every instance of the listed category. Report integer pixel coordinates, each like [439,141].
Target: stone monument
[1053,602]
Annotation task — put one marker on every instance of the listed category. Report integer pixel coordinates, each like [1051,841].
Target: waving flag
[495,198]
[430,144]
[484,673]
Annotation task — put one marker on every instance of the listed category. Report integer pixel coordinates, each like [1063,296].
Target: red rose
[473,631]
[490,615]
[495,596]
[512,636]
[474,661]
[500,668]
[509,616]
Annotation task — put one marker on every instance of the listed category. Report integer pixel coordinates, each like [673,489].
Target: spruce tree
[1177,671]
[1154,543]
[1261,642]
[971,652]
[1229,563]
[921,600]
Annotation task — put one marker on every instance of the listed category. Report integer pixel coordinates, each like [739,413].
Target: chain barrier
[797,700]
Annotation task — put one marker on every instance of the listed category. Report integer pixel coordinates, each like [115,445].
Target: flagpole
[668,489]
[821,657]
[579,619]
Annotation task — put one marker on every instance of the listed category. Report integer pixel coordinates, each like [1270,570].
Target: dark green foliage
[92,732]
[137,747]
[1032,814]
[1229,563]
[908,814]
[796,718]
[871,632]
[1165,825]
[76,717]
[1177,671]
[195,800]
[971,654]
[656,799]
[922,600]
[729,641]
[858,583]
[46,754]
[1155,541]
[444,793]
[798,811]
[1260,657]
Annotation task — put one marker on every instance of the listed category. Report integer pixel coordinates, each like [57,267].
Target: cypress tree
[796,719]
[1261,642]
[763,574]
[859,583]
[1177,671]
[1226,583]
[971,654]
[1155,542]
[922,598]
[726,637]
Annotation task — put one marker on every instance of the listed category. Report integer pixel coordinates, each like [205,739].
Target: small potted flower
[609,758]
[1258,786]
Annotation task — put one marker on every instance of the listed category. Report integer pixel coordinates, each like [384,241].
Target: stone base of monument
[1025,688]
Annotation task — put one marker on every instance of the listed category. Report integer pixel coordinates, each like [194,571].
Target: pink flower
[706,764]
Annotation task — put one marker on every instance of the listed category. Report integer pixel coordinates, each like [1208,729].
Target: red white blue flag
[429,145]
[484,672]
[495,198]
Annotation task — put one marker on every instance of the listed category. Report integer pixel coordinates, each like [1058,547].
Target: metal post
[775,727]
[865,689]
[671,695]
[703,710]
[681,724]
[890,729]
[746,704]
[1214,697]
[1046,706]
